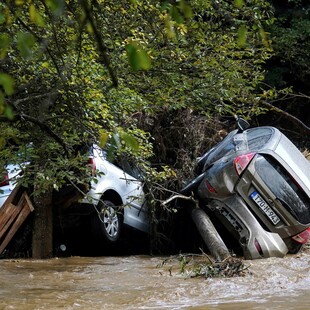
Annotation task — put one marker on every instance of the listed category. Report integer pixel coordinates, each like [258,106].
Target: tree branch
[45,128]
[102,48]
[297,122]
[37,97]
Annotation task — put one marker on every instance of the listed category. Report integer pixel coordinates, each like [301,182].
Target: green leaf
[8,112]
[242,36]
[7,83]
[2,143]
[35,16]
[2,18]
[4,109]
[25,44]
[4,44]
[103,138]
[19,2]
[130,141]
[264,38]
[175,14]
[186,9]
[165,5]
[56,6]
[89,28]
[239,3]
[1,102]
[138,58]
[169,27]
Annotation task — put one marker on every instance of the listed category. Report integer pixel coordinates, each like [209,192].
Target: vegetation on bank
[158,81]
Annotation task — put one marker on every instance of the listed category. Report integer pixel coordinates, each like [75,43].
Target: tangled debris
[231,267]
[201,265]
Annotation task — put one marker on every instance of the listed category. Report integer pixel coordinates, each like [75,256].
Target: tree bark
[210,235]
[42,235]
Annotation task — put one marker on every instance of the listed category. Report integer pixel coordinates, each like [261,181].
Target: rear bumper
[255,241]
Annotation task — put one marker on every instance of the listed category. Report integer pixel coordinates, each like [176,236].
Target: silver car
[117,197]
[257,183]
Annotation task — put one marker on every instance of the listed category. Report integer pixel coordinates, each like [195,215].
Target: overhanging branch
[43,126]
[297,122]
[46,129]
[103,51]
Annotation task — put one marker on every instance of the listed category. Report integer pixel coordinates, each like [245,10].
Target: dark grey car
[258,184]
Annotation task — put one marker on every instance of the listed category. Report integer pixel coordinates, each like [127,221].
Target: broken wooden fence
[13,213]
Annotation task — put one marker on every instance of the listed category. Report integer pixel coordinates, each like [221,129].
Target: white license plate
[262,204]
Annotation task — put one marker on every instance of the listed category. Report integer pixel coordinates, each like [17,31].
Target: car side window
[131,169]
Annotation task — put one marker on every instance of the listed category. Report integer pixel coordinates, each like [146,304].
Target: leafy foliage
[63,58]
[77,72]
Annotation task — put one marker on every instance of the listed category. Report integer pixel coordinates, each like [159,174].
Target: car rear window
[254,139]
[284,187]
[258,137]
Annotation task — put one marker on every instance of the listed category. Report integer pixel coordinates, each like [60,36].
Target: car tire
[107,222]
[209,234]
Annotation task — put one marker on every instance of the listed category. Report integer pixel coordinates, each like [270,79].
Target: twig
[176,197]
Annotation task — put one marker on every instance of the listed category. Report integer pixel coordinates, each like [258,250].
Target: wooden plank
[6,215]
[16,225]
[10,214]
[29,203]
[13,217]
[6,210]
[8,220]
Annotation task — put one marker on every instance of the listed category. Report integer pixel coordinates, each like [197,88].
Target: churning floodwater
[142,282]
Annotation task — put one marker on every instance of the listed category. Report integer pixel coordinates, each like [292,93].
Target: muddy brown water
[139,282]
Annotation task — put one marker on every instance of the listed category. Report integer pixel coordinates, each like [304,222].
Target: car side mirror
[242,124]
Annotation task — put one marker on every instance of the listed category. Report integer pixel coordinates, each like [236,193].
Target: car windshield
[284,187]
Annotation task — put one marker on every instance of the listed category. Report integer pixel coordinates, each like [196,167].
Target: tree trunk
[42,235]
[210,235]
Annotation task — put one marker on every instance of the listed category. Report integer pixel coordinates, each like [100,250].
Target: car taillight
[92,163]
[5,182]
[242,161]
[302,237]
[210,187]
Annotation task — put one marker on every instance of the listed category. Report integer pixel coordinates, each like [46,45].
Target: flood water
[139,282]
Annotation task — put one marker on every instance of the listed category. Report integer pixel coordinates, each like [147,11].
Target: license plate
[262,204]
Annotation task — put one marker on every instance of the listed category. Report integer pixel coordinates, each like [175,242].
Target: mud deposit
[139,282]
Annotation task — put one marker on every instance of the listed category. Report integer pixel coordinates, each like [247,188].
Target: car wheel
[210,235]
[107,223]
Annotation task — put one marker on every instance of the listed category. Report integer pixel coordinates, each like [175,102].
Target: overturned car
[256,184]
